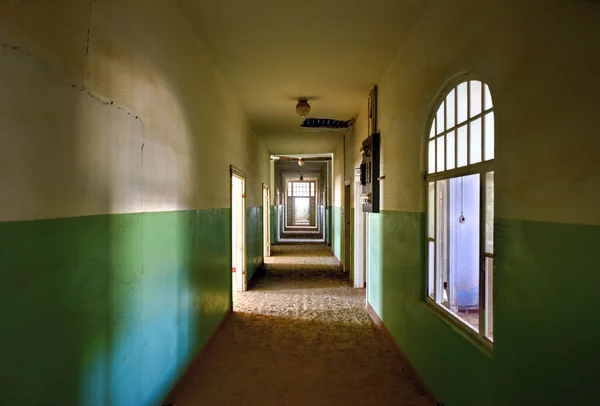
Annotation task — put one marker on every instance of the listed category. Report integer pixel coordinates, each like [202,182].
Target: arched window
[460,212]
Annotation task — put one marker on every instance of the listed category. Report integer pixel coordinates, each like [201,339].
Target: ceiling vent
[326,123]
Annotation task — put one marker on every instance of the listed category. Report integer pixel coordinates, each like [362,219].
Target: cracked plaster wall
[111,107]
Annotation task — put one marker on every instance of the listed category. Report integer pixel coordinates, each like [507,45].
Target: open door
[347,225]
[360,226]
[238,231]
[266,222]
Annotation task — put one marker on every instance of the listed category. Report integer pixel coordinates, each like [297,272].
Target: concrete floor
[301,336]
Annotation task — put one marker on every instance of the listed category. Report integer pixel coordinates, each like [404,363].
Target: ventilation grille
[326,123]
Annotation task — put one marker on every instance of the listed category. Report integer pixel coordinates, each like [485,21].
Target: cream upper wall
[138,120]
[338,175]
[541,61]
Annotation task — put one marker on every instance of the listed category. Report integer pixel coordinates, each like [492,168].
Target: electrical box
[369,174]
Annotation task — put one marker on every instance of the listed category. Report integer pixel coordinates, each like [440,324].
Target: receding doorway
[266,222]
[238,230]
[360,239]
[347,227]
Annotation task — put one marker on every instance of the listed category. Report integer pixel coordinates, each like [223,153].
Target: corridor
[301,336]
[161,158]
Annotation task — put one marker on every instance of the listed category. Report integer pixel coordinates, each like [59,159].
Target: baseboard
[180,385]
[339,263]
[379,323]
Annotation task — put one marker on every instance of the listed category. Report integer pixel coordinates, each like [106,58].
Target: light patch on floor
[301,336]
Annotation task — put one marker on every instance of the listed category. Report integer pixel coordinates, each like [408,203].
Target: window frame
[305,188]
[481,168]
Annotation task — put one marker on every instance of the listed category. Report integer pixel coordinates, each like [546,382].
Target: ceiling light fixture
[303,108]
[301,162]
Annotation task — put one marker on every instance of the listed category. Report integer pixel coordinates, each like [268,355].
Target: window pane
[440,154]
[475,97]
[431,156]
[489,212]
[487,98]
[461,103]
[475,128]
[463,248]
[289,188]
[489,136]
[430,268]
[440,119]
[431,210]
[441,237]
[432,132]
[461,153]
[489,298]
[301,189]
[450,110]
[450,151]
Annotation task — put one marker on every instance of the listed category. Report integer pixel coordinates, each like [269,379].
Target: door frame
[347,225]
[241,284]
[266,221]
[360,239]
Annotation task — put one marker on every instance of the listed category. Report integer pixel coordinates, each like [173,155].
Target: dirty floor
[301,336]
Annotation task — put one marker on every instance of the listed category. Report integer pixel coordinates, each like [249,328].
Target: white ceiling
[271,52]
[301,143]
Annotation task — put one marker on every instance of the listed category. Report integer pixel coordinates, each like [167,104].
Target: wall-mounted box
[369,174]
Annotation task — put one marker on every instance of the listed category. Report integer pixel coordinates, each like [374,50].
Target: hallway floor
[301,336]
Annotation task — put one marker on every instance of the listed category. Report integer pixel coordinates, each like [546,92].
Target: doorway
[238,231]
[360,239]
[347,239]
[266,222]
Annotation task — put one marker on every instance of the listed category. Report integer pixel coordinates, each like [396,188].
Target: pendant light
[303,108]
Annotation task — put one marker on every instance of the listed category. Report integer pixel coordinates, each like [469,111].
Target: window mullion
[468,123]
[456,128]
[435,244]
[445,134]
[482,278]
[480,167]
[482,123]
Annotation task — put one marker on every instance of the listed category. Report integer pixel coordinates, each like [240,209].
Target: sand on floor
[301,336]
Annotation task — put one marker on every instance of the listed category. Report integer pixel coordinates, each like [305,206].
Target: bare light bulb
[302,108]
[301,162]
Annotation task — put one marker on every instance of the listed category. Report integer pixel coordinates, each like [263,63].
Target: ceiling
[271,52]
[289,166]
[291,170]
[301,143]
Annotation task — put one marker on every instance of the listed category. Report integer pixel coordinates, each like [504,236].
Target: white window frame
[482,168]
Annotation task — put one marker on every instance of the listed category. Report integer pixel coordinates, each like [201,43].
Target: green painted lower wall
[329,233]
[395,286]
[337,238]
[254,240]
[547,327]
[109,310]
[546,280]
[273,225]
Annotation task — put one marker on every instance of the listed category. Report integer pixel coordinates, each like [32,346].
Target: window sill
[484,345]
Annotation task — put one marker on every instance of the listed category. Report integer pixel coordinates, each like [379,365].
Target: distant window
[460,212]
[301,189]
